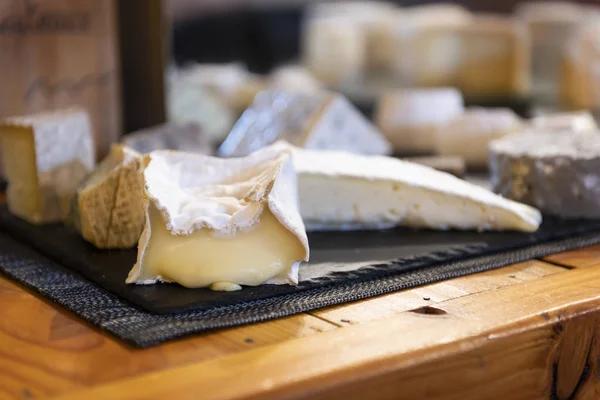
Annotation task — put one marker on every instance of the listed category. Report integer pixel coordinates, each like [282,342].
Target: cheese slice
[468,135]
[110,203]
[577,121]
[410,118]
[46,156]
[185,137]
[315,121]
[344,191]
[220,223]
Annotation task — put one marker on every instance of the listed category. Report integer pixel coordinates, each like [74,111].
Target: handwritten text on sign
[38,20]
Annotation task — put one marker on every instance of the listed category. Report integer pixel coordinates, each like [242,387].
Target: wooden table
[526,331]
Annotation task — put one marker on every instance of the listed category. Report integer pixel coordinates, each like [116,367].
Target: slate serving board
[336,258]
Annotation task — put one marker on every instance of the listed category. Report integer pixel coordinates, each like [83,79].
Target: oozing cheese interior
[205,258]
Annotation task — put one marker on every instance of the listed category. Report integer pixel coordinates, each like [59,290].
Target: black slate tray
[337,259]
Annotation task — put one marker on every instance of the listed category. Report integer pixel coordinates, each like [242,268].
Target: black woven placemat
[133,313]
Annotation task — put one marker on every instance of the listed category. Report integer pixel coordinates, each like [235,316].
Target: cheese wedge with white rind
[468,134]
[316,121]
[343,191]
[110,203]
[410,118]
[46,156]
[221,223]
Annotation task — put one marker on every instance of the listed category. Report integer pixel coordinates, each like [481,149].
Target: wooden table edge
[358,353]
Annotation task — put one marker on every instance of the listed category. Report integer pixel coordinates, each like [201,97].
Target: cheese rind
[580,121]
[559,173]
[184,137]
[46,156]
[110,203]
[411,118]
[206,216]
[468,134]
[317,121]
[340,191]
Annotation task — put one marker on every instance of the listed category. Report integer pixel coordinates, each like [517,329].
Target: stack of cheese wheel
[580,72]
[550,26]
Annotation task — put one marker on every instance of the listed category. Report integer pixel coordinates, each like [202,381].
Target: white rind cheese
[334,49]
[294,79]
[469,134]
[316,121]
[579,121]
[410,118]
[110,203]
[46,156]
[343,191]
[207,218]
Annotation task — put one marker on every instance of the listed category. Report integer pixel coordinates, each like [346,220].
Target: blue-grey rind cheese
[558,173]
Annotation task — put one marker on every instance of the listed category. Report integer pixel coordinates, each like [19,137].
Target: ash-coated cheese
[468,134]
[557,173]
[171,136]
[46,156]
[410,118]
[110,203]
[316,121]
[206,217]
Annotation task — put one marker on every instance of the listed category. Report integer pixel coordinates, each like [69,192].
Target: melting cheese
[223,262]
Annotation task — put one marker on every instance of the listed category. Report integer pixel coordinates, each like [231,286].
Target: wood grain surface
[526,331]
[60,53]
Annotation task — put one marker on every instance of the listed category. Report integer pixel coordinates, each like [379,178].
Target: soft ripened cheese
[580,72]
[316,121]
[46,156]
[550,25]
[184,137]
[495,59]
[340,190]
[189,101]
[428,45]
[410,118]
[294,78]
[221,223]
[334,49]
[468,134]
[110,203]
[232,84]
[577,121]
[557,172]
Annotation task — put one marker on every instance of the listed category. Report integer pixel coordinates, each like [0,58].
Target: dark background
[265,38]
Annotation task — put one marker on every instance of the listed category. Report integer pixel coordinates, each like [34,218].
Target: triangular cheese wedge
[110,204]
[220,223]
[314,121]
[343,191]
